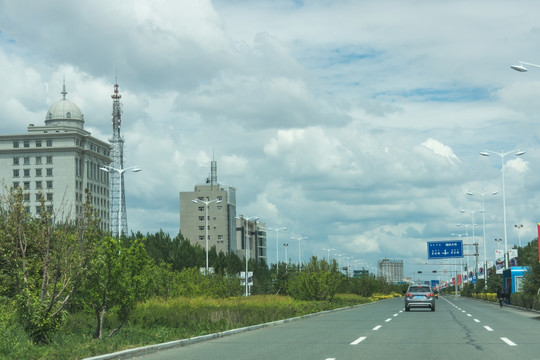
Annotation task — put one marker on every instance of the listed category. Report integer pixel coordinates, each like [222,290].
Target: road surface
[460,328]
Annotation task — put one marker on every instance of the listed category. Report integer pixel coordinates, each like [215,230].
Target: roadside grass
[157,321]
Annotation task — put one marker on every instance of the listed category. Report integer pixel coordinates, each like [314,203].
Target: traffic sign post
[445,249]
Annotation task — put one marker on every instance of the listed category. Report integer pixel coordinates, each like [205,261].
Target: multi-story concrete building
[251,238]
[210,210]
[391,270]
[58,161]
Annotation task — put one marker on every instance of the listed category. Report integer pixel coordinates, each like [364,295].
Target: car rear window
[421,289]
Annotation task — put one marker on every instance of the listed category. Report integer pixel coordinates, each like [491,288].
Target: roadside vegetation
[70,291]
[528,297]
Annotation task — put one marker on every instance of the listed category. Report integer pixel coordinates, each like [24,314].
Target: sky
[355,124]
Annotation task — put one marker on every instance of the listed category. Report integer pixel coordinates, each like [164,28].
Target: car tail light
[429,295]
[408,295]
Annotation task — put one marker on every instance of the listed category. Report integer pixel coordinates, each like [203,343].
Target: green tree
[117,280]
[46,261]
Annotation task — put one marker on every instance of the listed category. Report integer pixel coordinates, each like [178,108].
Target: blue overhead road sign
[445,249]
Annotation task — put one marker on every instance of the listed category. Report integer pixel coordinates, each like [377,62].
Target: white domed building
[58,161]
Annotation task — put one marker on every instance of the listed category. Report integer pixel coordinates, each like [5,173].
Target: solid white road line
[359,340]
[509,342]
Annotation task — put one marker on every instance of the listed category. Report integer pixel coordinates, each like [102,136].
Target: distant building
[58,162]
[225,231]
[391,270]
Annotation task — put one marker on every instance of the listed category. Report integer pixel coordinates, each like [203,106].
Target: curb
[130,353]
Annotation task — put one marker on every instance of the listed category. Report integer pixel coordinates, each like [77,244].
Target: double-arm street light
[473,236]
[277,230]
[502,154]
[484,231]
[299,251]
[328,254]
[120,191]
[206,203]
[522,68]
[246,236]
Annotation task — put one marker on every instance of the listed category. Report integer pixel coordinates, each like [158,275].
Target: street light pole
[206,203]
[120,171]
[242,218]
[328,254]
[473,236]
[300,238]
[277,230]
[502,154]
[484,231]
[286,245]
[519,228]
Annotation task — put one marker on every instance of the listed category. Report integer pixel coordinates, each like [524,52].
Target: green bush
[318,281]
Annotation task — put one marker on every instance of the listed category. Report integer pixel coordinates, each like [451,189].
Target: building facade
[390,270]
[210,210]
[58,162]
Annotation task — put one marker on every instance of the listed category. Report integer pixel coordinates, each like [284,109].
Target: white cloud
[441,150]
[361,132]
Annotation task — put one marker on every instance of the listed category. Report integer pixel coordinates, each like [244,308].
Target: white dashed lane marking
[359,340]
[508,341]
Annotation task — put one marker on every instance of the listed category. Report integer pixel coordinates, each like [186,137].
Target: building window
[26,160]
[49,143]
[38,209]
[38,143]
[26,196]
[49,184]
[201,237]
[38,172]
[220,198]
[201,228]
[220,238]
[220,208]
[38,196]
[27,209]
[26,185]
[38,160]
[49,208]
[49,159]
[26,143]
[49,172]
[201,208]
[49,196]
[26,172]
[201,218]
[15,172]
[15,144]
[15,184]
[15,161]
[39,185]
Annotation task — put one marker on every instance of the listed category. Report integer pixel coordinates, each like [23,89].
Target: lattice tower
[117,216]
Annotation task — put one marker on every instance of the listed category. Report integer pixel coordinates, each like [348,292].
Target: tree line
[51,269]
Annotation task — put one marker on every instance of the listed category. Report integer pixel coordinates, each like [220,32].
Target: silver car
[419,296]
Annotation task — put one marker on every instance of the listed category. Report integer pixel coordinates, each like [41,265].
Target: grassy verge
[157,321]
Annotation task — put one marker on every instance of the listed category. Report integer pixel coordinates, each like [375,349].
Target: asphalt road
[460,328]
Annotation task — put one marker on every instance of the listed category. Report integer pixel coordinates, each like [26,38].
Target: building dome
[64,113]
